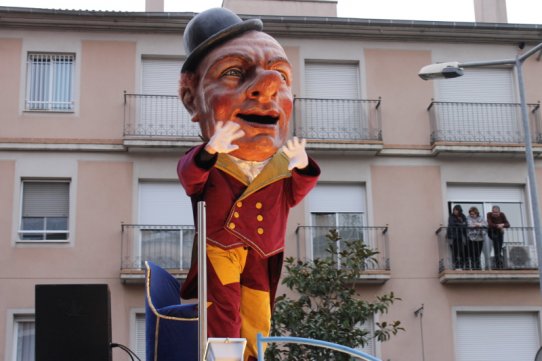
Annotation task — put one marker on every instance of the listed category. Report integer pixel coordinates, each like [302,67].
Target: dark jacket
[457,227]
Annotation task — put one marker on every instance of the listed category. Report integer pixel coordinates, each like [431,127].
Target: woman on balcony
[475,233]
[457,235]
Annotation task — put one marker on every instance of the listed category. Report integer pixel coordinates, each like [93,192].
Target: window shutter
[140,341]
[332,80]
[45,199]
[485,193]
[164,203]
[161,76]
[481,85]
[496,336]
[335,198]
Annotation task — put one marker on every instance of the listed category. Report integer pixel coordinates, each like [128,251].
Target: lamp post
[455,69]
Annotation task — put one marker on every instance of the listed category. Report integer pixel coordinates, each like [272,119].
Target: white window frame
[134,313]
[493,309]
[67,85]
[14,317]
[44,232]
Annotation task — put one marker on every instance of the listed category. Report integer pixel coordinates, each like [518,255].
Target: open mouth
[259,119]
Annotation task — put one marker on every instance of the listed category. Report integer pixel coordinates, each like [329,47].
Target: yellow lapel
[276,169]
[227,165]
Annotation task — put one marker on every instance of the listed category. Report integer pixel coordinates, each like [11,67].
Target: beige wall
[107,70]
[393,75]
[10,73]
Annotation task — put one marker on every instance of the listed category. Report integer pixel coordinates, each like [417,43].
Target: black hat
[211,28]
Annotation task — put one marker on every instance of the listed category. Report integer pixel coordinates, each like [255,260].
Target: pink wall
[107,69]
[392,74]
[10,70]
[532,73]
[100,211]
[410,203]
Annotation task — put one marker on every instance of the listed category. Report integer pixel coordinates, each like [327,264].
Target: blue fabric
[171,328]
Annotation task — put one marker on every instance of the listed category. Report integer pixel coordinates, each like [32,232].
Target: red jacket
[240,213]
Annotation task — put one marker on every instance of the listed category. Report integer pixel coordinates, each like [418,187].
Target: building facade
[91,129]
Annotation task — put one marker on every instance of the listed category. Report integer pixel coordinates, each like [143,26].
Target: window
[496,336]
[335,206]
[23,338]
[369,326]
[518,248]
[166,225]
[140,343]
[50,79]
[159,110]
[479,106]
[331,108]
[45,211]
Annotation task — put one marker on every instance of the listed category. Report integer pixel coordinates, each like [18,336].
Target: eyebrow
[239,56]
[279,59]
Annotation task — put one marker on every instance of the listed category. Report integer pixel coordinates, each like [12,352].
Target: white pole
[202,279]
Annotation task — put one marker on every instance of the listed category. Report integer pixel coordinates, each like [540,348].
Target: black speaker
[73,322]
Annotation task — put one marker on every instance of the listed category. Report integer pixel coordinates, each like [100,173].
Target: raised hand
[295,151]
[225,134]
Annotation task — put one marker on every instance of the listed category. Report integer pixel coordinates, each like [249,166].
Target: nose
[265,86]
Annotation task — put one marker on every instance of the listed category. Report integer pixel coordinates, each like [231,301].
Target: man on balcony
[236,83]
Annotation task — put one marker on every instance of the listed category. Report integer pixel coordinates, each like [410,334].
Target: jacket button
[260,230]
[239,204]
[259,217]
[235,214]
[231,225]
[259,205]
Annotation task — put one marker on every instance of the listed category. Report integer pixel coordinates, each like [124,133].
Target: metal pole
[202,279]
[533,189]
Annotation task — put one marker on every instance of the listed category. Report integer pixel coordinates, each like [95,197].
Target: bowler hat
[211,28]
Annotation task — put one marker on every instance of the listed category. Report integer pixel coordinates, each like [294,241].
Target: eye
[233,72]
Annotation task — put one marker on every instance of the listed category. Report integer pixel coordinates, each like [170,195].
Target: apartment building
[91,130]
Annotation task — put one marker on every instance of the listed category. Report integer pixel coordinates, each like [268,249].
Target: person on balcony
[496,223]
[457,235]
[236,83]
[475,238]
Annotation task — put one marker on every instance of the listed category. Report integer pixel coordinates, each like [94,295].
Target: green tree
[327,306]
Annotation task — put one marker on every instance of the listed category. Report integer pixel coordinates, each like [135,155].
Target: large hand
[295,151]
[225,134]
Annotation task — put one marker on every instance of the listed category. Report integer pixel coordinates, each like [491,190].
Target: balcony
[475,262]
[481,127]
[312,241]
[157,121]
[168,246]
[350,124]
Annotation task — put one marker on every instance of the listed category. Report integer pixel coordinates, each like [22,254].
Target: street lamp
[455,69]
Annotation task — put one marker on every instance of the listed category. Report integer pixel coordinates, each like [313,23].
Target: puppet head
[234,72]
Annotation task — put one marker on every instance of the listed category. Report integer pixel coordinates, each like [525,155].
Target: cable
[125,349]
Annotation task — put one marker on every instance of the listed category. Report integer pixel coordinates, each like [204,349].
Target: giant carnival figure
[236,83]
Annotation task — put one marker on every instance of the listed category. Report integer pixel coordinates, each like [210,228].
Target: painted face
[247,81]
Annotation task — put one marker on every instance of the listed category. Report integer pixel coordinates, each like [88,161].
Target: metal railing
[314,242]
[157,116]
[463,248]
[481,122]
[337,119]
[170,246]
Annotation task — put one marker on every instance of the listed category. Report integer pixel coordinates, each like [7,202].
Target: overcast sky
[519,11]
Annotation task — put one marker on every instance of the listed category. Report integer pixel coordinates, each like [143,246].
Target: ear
[187,92]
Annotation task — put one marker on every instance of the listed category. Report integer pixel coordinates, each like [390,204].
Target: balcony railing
[168,246]
[313,240]
[157,117]
[353,120]
[498,123]
[518,250]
